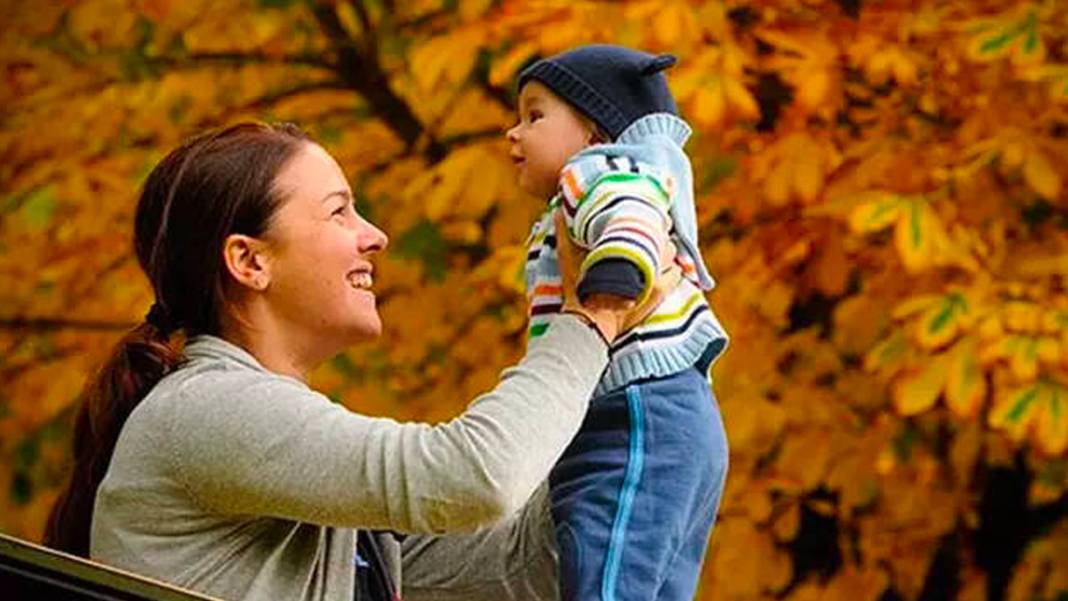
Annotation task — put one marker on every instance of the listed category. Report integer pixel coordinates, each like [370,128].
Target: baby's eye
[534,116]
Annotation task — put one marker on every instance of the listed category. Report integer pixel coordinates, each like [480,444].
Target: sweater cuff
[618,277]
[584,345]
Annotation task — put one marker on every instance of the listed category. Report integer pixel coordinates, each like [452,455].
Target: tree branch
[313,86]
[49,324]
[362,72]
[240,59]
[497,93]
[472,136]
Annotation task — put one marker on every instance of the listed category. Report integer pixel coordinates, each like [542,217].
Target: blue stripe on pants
[631,479]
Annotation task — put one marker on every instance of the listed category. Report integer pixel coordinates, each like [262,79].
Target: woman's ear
[247,261]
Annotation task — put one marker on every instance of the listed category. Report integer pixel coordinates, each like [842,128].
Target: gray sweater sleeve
[514,559]
[255,443]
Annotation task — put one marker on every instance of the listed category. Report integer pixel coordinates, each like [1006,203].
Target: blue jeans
[635,495]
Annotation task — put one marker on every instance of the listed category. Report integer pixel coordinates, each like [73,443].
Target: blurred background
[880,188]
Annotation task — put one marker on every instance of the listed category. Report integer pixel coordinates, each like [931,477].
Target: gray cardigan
[245,484]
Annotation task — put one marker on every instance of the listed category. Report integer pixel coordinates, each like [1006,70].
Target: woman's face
[320,255]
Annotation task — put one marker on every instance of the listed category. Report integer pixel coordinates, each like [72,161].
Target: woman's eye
[341,210]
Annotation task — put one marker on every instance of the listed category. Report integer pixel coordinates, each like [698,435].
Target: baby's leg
[681,573]
[649,460]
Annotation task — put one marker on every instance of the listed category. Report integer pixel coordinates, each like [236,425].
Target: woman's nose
[371,239]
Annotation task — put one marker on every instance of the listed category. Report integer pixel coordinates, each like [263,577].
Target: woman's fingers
[569,259]
[613,315]
[665,283]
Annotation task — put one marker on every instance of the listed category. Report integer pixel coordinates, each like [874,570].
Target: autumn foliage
[881,197]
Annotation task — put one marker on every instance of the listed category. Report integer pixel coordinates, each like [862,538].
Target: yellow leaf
[915,392]
[1012,154]
[915,304]
[808,61]
[889,354]
[1052,427]
[813,87]
[832,267]
[504,69]
[942,321]
[805,457]
[470,9]
[858,322]
[1023,317]
[877,214]
[807,177]
[918,235]
[709,104]
[858,584]
[966,383]
[786,525]
[753,560]
[740,98]
[1041,176]
[1049,351]
[669,22]
[462,232]
[1014,410]
[777,186]
[1023,362]
[1041,409]
[990,328]
[448,57]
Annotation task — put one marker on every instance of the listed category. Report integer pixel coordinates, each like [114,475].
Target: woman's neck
[274,345]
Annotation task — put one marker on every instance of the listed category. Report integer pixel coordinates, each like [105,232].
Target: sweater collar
[656,124]
[206,346]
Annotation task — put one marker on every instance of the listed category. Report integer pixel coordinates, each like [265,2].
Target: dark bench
[30,571]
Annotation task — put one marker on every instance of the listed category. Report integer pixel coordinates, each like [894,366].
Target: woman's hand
[612,315]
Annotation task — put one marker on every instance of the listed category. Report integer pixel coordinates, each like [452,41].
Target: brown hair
[216,184]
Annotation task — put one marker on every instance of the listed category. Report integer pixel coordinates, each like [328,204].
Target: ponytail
[140,360]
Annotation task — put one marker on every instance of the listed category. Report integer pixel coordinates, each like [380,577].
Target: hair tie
[159,318]
[658,64]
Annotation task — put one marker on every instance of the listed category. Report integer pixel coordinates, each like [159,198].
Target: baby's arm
[618,209]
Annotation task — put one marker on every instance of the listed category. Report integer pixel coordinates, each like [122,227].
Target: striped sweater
[622,202]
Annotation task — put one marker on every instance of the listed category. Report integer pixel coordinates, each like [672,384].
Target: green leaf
[424,242]
[1022,402]
[997,42]
[716,171]
[38,207]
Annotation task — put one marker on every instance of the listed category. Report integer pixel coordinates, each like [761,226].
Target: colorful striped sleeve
[618,209]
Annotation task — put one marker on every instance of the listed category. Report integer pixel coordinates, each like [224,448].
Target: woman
[217,468]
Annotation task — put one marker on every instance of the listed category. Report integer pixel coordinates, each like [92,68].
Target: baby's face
[548,133]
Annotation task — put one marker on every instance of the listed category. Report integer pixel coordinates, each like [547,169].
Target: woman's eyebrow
[344,194]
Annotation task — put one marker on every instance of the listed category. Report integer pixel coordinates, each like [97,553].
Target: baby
[635,496]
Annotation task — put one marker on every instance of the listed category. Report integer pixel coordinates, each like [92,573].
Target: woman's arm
[266,445]
[512,560]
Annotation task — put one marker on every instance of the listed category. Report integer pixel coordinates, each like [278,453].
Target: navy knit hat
[612,85]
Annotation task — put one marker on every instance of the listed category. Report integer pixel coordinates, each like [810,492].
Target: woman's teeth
[361,280]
